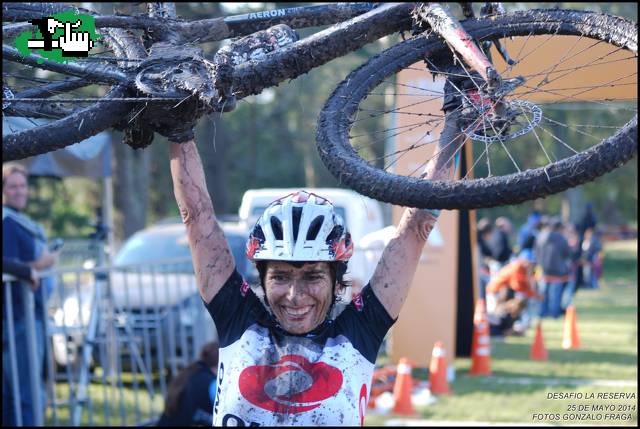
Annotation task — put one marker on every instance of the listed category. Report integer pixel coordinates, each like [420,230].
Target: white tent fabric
[89,158]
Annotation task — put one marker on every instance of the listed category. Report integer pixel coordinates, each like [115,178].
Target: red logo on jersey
[362,406]
[358,302]
[244,288]
[290,385]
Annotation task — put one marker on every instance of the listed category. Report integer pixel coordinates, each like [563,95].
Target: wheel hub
[490,122]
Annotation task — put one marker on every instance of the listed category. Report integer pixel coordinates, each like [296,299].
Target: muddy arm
[212,260]
[394,273]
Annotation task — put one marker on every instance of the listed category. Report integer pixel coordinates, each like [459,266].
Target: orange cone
[438,370]
[570,340]
[481,344]
[538,350]
[402,389]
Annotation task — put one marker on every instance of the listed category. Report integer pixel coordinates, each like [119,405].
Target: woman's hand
[35,280]
[46,260]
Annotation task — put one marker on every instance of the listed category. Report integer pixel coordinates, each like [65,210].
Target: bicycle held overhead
[511,74]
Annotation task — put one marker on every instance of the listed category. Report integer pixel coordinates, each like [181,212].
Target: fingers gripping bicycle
[518,113]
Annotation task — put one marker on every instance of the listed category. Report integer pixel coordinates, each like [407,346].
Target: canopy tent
[89,158]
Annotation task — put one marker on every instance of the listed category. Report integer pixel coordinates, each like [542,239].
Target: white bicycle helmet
[301,226]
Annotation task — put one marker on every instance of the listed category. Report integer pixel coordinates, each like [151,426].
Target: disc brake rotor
[521,117]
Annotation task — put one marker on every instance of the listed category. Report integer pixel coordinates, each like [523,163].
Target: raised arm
[394,273]
[212,260]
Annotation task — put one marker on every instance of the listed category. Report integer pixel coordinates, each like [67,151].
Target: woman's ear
[340,292]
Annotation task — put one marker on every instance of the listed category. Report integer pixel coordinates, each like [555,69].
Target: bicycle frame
[249,78]
[441,21]
[295,17]
[449,28]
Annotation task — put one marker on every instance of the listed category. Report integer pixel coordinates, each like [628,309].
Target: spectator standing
[499,244]
[528,232]
[553,254]
[592,258]
[192,392]
[23,241]
[485,228]
[586,222]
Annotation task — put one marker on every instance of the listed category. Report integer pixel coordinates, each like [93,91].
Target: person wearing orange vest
[508,293]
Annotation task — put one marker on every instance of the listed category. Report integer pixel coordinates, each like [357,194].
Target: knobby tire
[336,119]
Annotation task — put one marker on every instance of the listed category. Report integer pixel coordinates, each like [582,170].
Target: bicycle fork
[448,27]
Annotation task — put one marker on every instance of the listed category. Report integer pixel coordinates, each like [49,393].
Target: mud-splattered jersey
[267,377]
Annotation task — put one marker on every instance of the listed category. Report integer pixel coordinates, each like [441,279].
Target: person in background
[508,295]
[587,222]
[485,228]
[192,392]
[499,244]
[528,232]
[553,254]
[23,241]
[591,258]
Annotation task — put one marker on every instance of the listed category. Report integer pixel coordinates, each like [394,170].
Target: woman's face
[299,297]
[15,191]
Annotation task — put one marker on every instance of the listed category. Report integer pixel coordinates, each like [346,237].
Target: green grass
[109,407]
[607,325]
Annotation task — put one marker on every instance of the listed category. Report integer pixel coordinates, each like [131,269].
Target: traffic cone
[570,340]
[538,350]
[402,389]
[481,344]
[438,370]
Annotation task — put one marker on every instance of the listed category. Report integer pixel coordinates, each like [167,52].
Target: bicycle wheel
[580,131]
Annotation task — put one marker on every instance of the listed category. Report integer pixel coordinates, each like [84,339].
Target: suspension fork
[448,27]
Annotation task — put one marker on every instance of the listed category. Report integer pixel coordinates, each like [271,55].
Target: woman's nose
[296,289]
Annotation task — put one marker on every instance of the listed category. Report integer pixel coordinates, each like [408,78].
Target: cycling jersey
[268,377]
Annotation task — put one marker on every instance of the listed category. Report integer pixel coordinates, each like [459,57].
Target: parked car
[154,296]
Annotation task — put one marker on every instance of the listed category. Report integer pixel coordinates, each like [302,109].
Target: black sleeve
[16,268]
[365,322]
[233,309]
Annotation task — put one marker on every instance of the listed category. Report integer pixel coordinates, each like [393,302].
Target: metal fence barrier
[114,339]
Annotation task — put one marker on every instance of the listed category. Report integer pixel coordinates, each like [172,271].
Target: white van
[361,214]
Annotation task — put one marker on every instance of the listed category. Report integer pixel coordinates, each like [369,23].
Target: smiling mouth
[296,312]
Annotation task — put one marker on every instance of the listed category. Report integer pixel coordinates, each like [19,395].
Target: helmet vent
[295,215]
[335,234]
[276,227]
[258,233]
[314,228]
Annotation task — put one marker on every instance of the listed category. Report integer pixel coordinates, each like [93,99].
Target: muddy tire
[346,164]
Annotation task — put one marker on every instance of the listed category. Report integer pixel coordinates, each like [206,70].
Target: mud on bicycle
[503,112]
